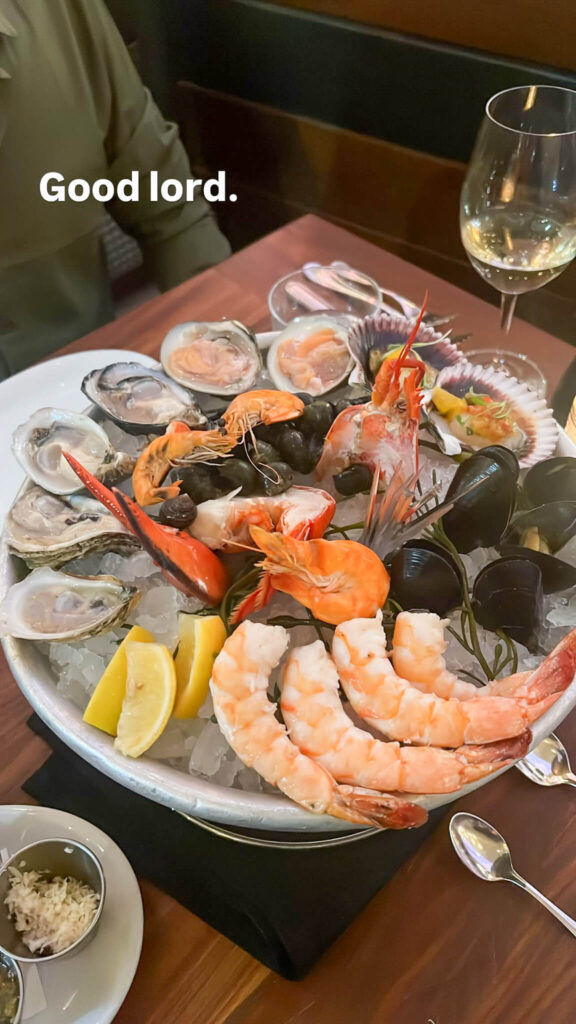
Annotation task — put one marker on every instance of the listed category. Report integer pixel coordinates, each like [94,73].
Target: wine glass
[518,203]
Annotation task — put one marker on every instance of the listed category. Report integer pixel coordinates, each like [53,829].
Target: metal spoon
[548,764]
[485,852]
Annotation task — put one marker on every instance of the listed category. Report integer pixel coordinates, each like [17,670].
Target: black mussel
[304,397]
[263,451]
[424,575]
[508,595]
[296,450]
[354,479]
[487,485]
[179,512]
[200,483]
[556,574]
[317,418]
[275,477]
[546,528]
[550,480]
[345,403]
[238,473]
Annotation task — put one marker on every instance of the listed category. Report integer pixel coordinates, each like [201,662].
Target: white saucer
[90,987]
[57,383]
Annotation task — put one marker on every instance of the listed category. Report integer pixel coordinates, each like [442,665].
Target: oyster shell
[219,358]
[522,422]
[56,606]
[38,444]
[49,529]
[311,354]
[140,399]
[372,338]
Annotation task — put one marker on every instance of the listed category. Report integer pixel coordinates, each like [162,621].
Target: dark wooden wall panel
[543,31]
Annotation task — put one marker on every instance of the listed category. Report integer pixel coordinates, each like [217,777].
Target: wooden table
[436,946]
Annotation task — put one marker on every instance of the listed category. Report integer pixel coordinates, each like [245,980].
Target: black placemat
[285,907]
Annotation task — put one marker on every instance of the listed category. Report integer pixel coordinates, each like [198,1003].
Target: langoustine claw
[319,726]
[245,714]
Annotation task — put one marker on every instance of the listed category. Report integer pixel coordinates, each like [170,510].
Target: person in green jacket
[71,101]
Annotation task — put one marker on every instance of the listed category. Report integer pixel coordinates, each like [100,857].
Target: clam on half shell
[141,399]
[219,358]
[311,354]
[38,445]
[56,606]
[49,529]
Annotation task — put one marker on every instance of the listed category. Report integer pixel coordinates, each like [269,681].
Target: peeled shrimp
[319,726]
[395,707]
[418,655]
[239,685]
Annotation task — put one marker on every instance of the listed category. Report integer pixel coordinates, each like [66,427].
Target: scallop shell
[532,414]
[141,399]
[56,606]
[235,367]
[298,331]
[49,529]
[372,337]
[38,446]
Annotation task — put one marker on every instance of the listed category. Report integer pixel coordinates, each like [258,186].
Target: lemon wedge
[200,639]
[105,705]
[447,404]
[150,693]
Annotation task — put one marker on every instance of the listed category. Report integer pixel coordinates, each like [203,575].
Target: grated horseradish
[51,914]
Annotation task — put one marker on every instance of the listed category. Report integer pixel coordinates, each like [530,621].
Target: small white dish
[53,383]
[91,986]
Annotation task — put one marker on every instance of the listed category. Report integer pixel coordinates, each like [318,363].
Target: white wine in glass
[518,203]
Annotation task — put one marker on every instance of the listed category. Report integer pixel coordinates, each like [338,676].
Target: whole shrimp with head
[383,433]
[239,685]
[180,446]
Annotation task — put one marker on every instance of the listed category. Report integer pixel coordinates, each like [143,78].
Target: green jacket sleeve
[178,238]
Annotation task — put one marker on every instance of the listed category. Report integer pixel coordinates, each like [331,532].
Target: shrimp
[383,433]
[301,512]
[333,578]
[417,654]
[395,707]
[162,453]
[319,726]
[239,686]
[255,407]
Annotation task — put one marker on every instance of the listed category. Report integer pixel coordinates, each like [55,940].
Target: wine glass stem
[507,307]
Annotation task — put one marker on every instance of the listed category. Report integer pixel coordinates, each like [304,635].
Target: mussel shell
[423,575]
[555,522]
[299,330]
[374,336]
[551,480]
[230,332]
[556,574]
[533,417]
[166,400]
[480,516]
[508,595]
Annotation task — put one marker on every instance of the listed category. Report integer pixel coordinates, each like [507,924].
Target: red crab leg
[97,489]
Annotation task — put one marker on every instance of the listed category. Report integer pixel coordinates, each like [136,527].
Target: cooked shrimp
[248,410]
[301,512]
[239,686]
[318,724]
[402,712]
[418,655]
[333,578]
[163,452]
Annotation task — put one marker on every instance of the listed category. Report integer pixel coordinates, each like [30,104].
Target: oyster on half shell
[56,606]
[219,358]
[49,529]
[141,399]
[38,446]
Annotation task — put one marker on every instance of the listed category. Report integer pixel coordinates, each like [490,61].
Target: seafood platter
[316,581]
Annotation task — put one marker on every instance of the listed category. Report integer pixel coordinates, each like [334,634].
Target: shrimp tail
[254,601]
[553,676]
[366,807]
[499,753]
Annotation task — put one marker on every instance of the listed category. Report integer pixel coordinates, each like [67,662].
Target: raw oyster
[56,606]
[311,354]
[483,407]
[374,338]
[38,444]
[46,529]
[141,399]
[219,358]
